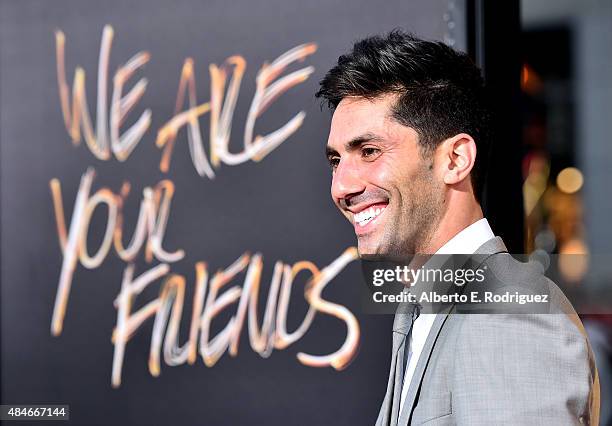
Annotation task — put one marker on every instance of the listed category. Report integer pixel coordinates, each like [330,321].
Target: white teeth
[364,217]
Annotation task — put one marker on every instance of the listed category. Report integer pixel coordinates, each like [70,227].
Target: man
[407,148]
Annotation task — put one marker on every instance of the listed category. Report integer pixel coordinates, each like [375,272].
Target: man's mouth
[368,216]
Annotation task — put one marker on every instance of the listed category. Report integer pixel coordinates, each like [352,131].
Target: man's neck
[450,224]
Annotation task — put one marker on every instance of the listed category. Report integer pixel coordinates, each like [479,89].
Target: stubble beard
[415,226]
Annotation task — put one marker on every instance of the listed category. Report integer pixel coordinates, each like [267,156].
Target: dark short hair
[440,90]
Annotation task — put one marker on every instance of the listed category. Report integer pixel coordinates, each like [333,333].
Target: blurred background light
[570,180]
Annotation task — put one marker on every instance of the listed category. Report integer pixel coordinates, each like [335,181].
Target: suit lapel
[386,416]
[389,412]
[417,377]
[491,247]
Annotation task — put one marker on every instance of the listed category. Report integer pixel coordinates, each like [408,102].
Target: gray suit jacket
[498,369]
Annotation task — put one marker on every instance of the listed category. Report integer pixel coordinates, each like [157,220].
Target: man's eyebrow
[354,143]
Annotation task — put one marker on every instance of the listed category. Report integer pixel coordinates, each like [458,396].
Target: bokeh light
[570,180]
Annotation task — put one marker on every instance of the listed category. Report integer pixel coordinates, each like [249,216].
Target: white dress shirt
[465,242]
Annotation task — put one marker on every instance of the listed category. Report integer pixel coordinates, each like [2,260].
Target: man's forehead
[355,110]
[356,116]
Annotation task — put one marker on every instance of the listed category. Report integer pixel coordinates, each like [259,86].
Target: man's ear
[457,155]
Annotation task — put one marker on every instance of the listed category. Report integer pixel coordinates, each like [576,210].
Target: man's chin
[376,247]
[369,248]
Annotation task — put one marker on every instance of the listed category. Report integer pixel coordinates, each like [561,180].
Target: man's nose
[346,181]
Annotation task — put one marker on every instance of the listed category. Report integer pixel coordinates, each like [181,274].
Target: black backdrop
[279,207]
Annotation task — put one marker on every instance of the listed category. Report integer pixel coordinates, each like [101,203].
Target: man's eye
[369,152]
[333,162]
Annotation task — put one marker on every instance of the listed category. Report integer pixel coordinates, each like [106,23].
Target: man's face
[381,182]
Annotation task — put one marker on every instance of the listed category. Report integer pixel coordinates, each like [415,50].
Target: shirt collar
[469,239]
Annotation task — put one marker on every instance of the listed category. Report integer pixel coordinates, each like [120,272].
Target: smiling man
[407,148]
[380,184]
